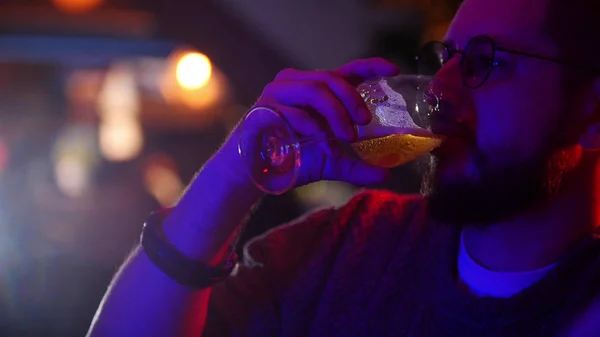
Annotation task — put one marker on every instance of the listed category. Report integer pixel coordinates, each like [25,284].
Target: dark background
[61,239]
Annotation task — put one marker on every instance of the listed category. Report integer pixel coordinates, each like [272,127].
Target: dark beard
[499,193]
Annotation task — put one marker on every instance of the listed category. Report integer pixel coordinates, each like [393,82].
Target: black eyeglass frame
[495,48]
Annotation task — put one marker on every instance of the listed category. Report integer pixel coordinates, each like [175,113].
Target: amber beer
[398,148]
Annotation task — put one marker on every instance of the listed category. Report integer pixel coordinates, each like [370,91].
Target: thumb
[354,171]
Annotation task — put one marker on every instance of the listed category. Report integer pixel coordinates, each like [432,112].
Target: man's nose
[449,96]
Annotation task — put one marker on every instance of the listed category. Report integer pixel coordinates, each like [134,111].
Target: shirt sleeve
[248,303]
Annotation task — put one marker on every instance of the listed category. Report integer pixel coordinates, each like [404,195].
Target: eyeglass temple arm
[546,58]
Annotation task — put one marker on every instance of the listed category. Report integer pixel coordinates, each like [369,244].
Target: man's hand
[318,103]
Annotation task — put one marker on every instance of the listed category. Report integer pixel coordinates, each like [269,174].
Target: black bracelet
[175,264]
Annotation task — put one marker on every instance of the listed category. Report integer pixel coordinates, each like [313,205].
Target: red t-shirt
[378,267]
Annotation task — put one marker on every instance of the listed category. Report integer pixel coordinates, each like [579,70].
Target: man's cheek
[505,146]
[501,115]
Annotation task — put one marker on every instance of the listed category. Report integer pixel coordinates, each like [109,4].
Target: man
[502,245]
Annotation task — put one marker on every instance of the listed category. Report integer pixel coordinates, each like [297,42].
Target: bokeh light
[162,180]
[193,70]
[119,97]
[72,176]
[190,80]
[76,6]
[324,193]
[121,140]
[75,157]
[120,135]
[3,156]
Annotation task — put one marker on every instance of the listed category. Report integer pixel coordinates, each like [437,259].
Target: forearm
[142,300]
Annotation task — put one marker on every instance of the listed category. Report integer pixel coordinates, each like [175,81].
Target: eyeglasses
[478,59]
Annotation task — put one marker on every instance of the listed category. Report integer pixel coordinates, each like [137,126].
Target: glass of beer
[398,133]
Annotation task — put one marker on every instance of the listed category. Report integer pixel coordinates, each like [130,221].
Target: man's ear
[590,139]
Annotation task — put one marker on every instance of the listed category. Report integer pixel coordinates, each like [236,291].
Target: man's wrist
[176,264]
[216,202]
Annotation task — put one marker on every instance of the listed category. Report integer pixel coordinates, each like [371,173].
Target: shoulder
[382,204]
[366,212]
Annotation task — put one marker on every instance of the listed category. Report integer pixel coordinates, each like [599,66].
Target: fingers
[359,71]
[342,89]
[318,97]
[306,125]
[354,171]
[324,103]
[332,94]
[316,167]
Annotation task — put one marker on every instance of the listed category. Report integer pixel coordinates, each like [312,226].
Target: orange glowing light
[121,140]
[162,180]
[76,6]
[193,70]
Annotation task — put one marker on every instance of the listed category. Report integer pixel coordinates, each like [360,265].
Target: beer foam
[389,110]
[392,112]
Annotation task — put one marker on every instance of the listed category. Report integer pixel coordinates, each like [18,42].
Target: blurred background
[108,108]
